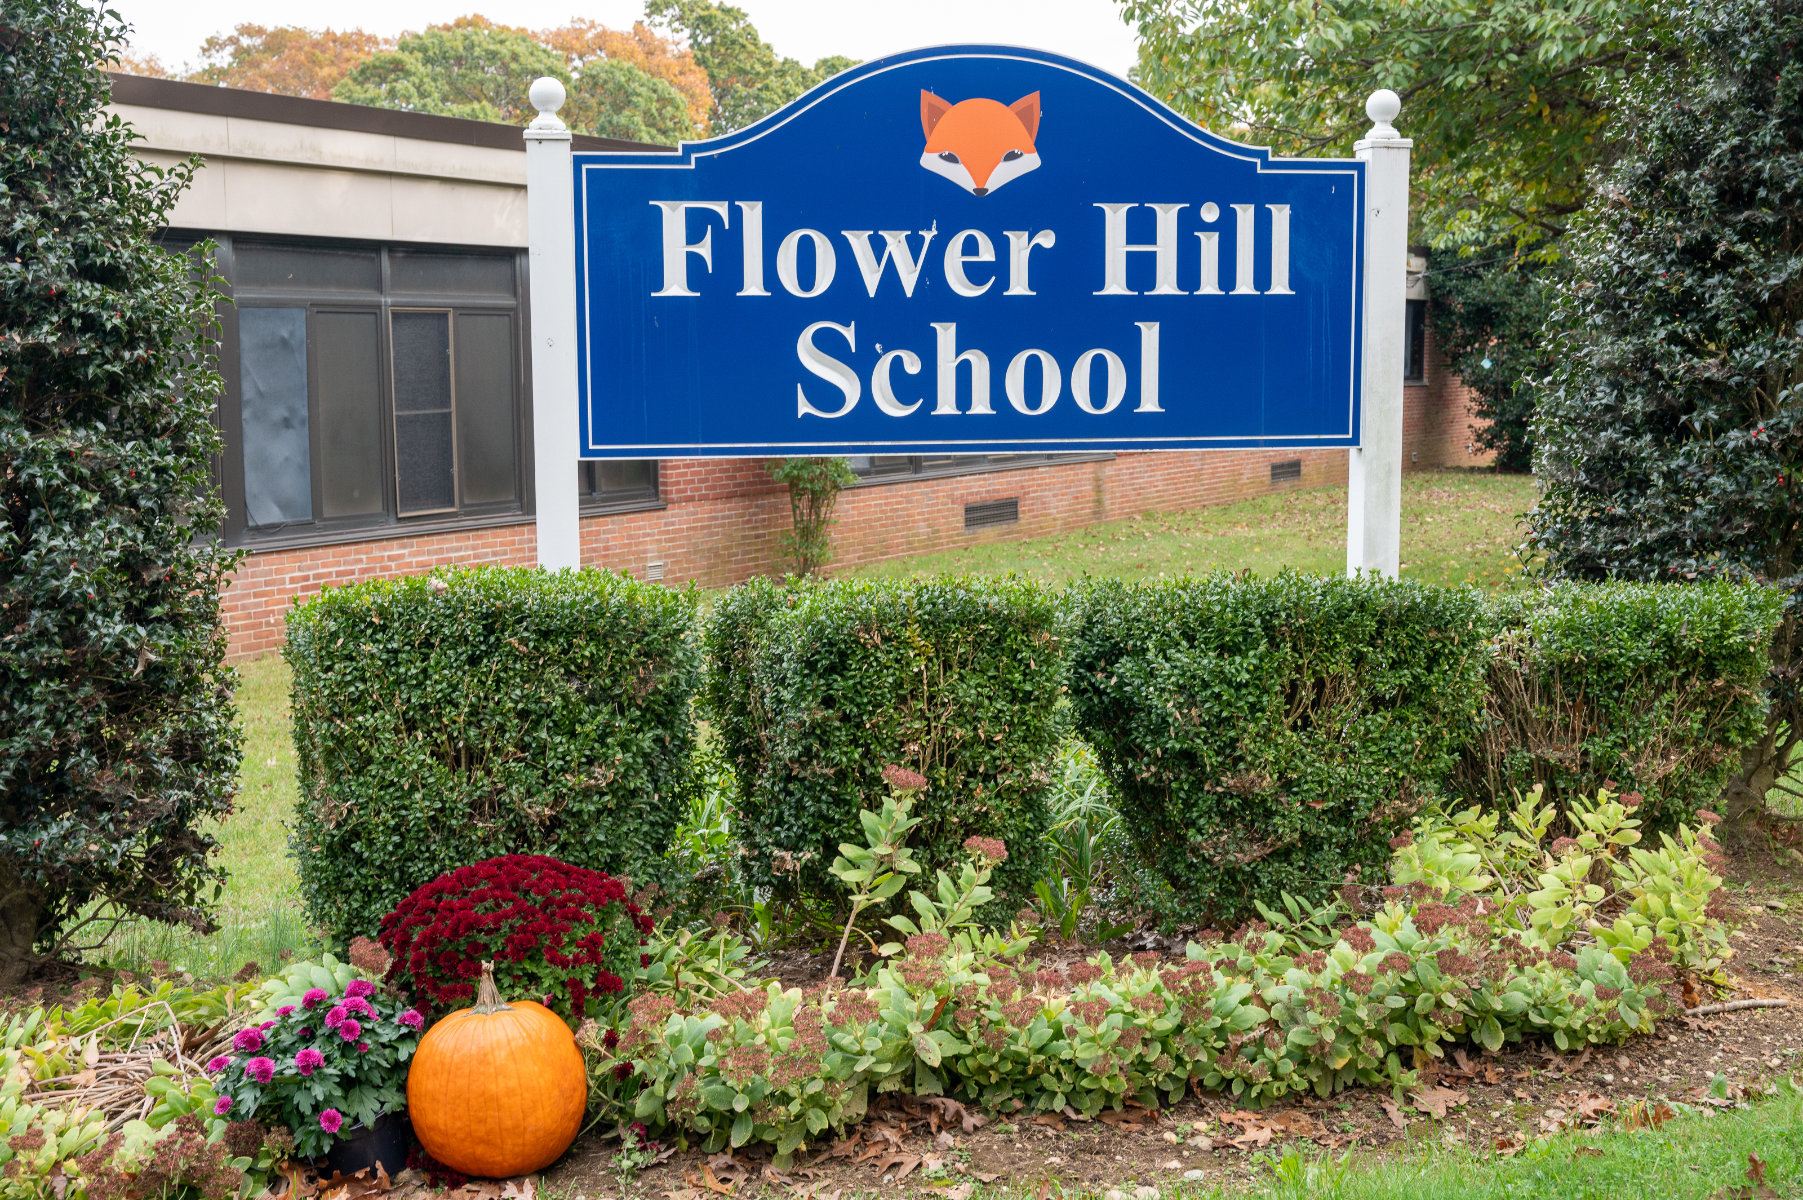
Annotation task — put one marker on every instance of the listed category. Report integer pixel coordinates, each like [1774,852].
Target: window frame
[395,414]
[389,522]
[594,502]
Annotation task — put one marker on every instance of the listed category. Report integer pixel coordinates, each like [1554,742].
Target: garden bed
[1491,1103]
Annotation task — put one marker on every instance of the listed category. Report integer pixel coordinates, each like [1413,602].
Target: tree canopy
[285,59]
[1507,100]
[470,69]
[750,80]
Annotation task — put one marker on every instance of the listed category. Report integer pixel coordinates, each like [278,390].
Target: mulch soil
[1497,1103]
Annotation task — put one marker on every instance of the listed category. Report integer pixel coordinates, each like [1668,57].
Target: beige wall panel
[185,132]
[274,198]
[447,160]
[272,141]
[202,205]
[474,214]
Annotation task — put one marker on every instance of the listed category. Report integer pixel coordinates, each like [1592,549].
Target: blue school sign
[966,248]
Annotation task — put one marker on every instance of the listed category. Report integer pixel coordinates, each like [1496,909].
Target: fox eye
[1011,156]
[949,157]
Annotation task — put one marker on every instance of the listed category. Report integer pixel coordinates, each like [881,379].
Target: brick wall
[721,519]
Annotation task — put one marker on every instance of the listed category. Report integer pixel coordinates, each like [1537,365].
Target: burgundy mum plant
[328,1062]
[563,935]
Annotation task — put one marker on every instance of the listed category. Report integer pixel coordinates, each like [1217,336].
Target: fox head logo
[979,144]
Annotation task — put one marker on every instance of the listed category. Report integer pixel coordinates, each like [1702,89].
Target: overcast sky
[1090,30]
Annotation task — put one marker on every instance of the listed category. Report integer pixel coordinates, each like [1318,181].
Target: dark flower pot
[363,1146]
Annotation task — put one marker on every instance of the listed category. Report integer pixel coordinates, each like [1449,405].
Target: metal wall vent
[992,512]
[654,572]
[1286,470]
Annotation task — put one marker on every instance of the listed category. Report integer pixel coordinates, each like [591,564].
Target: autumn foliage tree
[285,59]
[118,747]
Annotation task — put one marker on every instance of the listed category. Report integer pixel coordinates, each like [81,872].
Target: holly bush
[562,935]
[816,687]
[118,749]
[442,720]
[1670,430]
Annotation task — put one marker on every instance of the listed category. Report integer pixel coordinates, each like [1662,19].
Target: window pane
[272,360]
[422,407]
[1415,341]
[486,462]
[348,362]
[307,269]
[627,479]
[411,272]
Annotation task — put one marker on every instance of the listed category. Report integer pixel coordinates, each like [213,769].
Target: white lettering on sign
[1092,398]
[1098,380]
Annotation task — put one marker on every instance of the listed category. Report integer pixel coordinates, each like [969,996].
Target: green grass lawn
[1457,527]
[259,914]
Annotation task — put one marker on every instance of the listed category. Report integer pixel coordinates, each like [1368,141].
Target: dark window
[624,482]
[1414,346]
[889,466]
[1282,472]
[370,387]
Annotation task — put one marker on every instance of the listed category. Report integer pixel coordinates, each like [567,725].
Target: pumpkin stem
[488,997]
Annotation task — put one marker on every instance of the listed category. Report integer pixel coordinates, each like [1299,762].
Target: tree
[814,485]
[1506,99]
[613,98]
[117,742]
[749,79]
[470,68]
[1488,309]
[286,59]
[583,42]
[1671,428]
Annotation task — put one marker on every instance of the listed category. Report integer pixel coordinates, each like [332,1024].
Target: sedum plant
[1549,894]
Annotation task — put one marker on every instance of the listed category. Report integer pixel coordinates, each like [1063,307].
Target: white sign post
[1374,474]
[549,202]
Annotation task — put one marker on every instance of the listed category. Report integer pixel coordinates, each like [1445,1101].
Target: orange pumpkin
[497,1089]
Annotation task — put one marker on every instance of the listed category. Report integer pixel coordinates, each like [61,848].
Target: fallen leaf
[961,1192]
[1592,1108]
[1437,1100]
[1394,1113]
[1507,1145]
[1647,1114]
[1052,1119]
[1586,1152]
[904,1165]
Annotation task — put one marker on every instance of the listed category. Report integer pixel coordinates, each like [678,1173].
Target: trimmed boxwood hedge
[442,720]
[1651,688]
[1270,735]
[815,686]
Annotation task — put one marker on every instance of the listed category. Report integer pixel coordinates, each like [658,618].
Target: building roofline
[177,95]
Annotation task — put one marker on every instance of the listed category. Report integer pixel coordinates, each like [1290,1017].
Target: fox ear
[1027,109]
[931,109]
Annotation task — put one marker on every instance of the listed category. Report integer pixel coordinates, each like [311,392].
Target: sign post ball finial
[547,95]
[1382,108]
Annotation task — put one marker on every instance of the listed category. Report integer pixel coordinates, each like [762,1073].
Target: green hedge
[1269,735]
[815,687]
[442,720]
[1652,686]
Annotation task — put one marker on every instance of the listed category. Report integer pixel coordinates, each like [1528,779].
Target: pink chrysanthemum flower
[411,1019]
[336,1017]
[358,1005]
[260,1069]
[360,987]
[284,1010]
[331,1120]
[313,996]
[248,1040]
[308,1060]
[350,1031]
[219,1064]
[222,1106]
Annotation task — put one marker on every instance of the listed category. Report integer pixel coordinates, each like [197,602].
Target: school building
[377,412]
